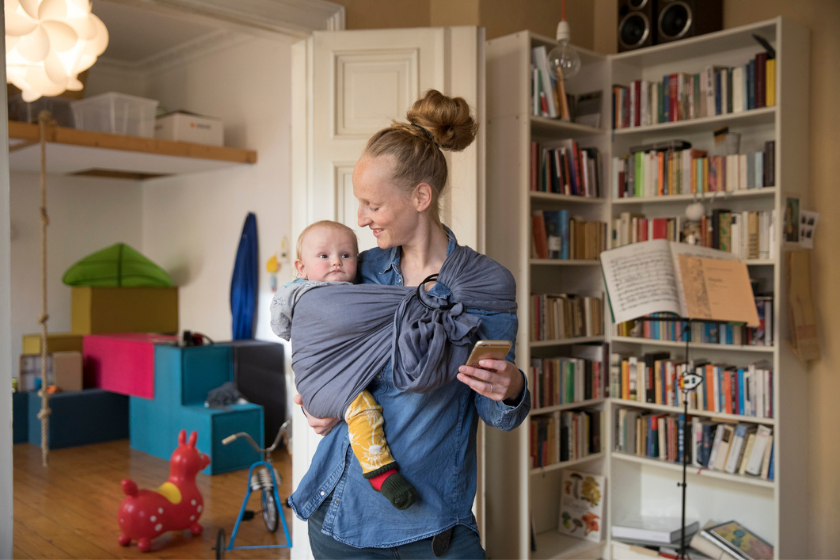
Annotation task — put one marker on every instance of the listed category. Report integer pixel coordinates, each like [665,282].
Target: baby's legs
[367,438]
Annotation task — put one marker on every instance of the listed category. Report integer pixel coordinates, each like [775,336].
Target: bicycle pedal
[248,515]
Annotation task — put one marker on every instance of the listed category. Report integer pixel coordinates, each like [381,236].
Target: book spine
[760,83]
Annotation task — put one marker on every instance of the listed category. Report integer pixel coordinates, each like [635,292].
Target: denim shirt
[432,436]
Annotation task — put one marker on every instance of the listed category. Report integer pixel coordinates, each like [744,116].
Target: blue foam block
[80,418]
[20,417]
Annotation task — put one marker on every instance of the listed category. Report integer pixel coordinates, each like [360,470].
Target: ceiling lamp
[49,42]
[564,59]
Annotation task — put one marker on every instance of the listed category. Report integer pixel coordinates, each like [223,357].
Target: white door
[346,86]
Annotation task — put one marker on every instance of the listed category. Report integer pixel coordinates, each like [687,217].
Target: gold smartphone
[488,350]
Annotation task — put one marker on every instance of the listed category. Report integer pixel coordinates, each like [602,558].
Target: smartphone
[489,350]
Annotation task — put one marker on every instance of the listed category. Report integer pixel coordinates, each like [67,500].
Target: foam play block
[104,310]
[20,417]
[67,371]
[122,363]
[80,418]
[56,342]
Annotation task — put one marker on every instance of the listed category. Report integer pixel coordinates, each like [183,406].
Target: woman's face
[384,207]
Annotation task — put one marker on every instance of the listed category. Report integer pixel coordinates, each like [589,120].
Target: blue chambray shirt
[432,437]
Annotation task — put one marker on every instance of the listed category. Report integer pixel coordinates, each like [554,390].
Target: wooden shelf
[552,545]
[694,471]
[567,464]
[81,152]
[564,341]
[694,345]
[544,126]
[564,198]
[567,262]
[695,412]
[567,406]
[765,192]
[765,115]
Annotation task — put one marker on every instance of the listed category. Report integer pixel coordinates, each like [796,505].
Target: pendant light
[564,59]
[49,42]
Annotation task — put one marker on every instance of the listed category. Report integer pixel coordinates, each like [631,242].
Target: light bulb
[564,57]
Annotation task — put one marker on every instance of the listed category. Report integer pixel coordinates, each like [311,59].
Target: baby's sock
[394,486]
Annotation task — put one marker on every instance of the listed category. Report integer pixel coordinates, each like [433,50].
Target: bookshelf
[775,509]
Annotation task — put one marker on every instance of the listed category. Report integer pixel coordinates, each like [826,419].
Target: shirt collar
[393,259]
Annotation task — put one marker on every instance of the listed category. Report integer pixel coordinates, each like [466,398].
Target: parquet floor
[69,509]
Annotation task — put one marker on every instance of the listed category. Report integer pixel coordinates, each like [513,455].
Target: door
[346,86]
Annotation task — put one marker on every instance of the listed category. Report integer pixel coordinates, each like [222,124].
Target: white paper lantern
[49,42]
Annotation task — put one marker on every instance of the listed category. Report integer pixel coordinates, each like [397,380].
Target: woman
[399,182]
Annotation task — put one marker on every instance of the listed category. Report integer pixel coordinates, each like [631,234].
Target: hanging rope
[44,120]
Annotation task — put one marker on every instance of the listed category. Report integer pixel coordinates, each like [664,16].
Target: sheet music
[640,279]
[678,249]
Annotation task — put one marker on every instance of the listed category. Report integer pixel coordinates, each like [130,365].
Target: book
[763,439]
[665,530]
[581,505]
[666,277]
[738,541]
[700,542]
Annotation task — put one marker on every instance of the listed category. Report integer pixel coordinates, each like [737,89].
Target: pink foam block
[122,363]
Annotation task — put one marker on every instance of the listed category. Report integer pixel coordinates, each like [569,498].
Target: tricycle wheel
[220,544]
[270,510]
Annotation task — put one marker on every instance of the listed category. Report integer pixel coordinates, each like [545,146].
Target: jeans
[465,543]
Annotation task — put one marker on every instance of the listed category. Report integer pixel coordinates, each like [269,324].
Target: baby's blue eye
[323,256]
[345,256]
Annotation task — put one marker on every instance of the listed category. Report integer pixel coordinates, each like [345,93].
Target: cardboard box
[64,369]
[101,310]
[56,342]
[186,127]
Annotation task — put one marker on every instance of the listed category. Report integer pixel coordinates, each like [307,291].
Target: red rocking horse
[174,506]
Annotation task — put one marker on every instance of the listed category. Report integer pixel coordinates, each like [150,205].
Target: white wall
[192,223]
[86,214]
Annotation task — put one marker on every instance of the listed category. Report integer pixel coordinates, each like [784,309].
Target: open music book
[665,277]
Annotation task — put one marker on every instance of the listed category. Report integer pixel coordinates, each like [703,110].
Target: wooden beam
[71,136]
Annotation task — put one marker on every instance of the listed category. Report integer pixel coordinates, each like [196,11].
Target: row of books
[548,94]
[707,333]
[668,172]
[555,234]
[565,380]
[749,235]
[564,436]
[682,96]
[566,168]
[655,378]
[721,446]
[562,316]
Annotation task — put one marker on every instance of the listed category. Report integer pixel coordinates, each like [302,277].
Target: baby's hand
[322,426]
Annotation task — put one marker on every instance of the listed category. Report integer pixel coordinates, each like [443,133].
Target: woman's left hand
[495,379]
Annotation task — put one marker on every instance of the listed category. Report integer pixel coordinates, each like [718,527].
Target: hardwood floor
[69,509]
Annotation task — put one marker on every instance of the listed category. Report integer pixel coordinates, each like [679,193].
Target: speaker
[680,19]
[636,24]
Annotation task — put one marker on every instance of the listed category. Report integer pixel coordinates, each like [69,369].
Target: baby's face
[328,255]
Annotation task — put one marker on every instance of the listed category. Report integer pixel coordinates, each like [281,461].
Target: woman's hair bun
[448,119]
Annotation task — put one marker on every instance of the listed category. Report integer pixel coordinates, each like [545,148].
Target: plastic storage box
[21,111]
[116,113]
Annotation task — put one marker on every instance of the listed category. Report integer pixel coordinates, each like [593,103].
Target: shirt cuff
[516,402]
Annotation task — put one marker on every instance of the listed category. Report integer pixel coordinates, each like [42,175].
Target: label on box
[185,127]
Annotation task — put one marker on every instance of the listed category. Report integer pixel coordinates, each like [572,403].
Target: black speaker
[636,24]
[680,19]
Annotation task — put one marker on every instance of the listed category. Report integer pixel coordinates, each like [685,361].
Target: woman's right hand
[322,426]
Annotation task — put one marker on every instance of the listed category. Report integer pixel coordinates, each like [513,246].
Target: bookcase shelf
[565,341]
[720,197]
[694,345]
[567,464]
[694,471]
[567,406]
[694,412]
[753,117]
[776,510]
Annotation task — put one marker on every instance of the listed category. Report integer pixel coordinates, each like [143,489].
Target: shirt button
[322,493]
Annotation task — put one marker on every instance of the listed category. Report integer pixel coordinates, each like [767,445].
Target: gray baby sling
[343,335]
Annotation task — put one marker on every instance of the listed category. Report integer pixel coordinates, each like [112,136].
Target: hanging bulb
[564,57]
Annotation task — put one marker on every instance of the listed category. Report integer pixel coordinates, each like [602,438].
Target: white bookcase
[776,510]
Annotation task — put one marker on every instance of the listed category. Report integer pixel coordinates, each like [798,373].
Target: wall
[86,214]
[192,223]
[822,17]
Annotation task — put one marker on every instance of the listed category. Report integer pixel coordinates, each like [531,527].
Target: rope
[44,120]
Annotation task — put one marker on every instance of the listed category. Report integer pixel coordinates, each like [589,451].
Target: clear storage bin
[21,111]
[116,113]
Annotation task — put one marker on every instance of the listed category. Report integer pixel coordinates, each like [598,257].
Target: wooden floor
[69,509]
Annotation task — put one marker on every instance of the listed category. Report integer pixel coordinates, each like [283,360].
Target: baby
[328,252]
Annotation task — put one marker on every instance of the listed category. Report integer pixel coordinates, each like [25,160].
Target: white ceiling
[137,34]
